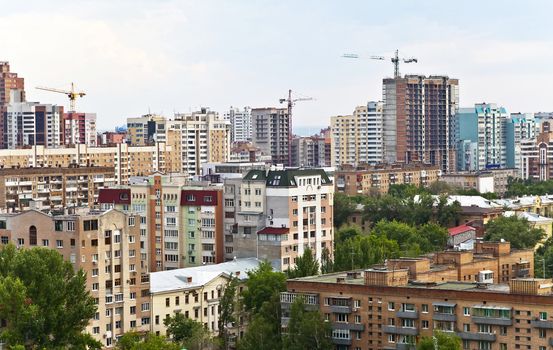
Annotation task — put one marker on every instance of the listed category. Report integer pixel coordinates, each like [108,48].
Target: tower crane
[72,94]
[395,60]
[291,102]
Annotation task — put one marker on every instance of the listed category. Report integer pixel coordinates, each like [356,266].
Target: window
[59,243]
[424,308]
[4,240]
[542,333]
[90,225]
[391,306]
[131,221]
[543,316]
[45,242]
[71,226]
[58,225]
[32,235]
[20,242]
[341,317]
[424,324]
[466,311]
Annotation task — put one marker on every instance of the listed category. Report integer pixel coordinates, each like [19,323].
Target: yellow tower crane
[72,94]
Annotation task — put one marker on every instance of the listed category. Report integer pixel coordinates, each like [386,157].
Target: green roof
[285,178]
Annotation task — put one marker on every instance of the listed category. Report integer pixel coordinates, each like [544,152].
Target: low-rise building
[196,292]
[376,180]
[388,307]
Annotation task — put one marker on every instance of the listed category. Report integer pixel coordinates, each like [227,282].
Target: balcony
[400,330]
[408,314]
[542,324]
[444,317]
[492,321]
[341,341]
[351,326]
[477,336]
[340,309]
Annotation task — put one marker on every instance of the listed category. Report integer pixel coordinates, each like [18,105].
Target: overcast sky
[135,56]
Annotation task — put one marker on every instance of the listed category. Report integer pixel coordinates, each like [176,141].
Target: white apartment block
[241,124]
[358,138]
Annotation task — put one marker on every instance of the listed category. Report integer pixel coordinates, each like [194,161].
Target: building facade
[106,246]
[79,128]
[240,124]
[377,180]
[146,130]
[275,214]
[8,81]
[484,126]
[418,120]
[271,132]
[52,188]
[32,123]
[311,152]
[394,305]
[126,160]
[358,138]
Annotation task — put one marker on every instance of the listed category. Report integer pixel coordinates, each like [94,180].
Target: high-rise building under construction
[418,120]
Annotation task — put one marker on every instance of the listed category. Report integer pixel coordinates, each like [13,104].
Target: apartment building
[275,214]
[240,124]
[537,157]
[31,123]
[418,120]
[181,225]
[519,127]
[105,245]
[126,160]
[312,151]
[79,128]
[196,292]
[491,180]
[146,130]
[393,306]
[8,81]
[272,133]
[358,138]
[197,138]
[485,126]
[52,188]
[375,180]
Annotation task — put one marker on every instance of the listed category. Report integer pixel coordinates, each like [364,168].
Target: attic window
[254,177]
[124,196]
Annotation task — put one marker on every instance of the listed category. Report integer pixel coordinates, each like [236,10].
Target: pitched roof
[285,178]
[454,231]
[198,276]
[115,195]
[274,230]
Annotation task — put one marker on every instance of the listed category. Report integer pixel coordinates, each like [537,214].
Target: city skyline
[171,56]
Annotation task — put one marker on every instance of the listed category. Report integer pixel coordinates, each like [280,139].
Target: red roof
[198,197]
[274,231]
[454,231]
[114,196]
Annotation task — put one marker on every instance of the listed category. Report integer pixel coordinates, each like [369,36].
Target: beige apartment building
[196,292]
[52,188]
[126,160]
[375,180]
[197,138]
[106,246]
[392,307]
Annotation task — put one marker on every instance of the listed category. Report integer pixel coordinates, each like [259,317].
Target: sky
[132,57]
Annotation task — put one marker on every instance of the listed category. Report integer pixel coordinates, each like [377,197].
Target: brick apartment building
[106,246]
[394,305]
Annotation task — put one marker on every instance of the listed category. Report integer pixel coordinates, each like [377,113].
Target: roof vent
[189,279]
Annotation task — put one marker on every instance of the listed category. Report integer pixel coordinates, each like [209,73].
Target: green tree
[346,232]
[447,215]
[405,190]
[306,265]
[327,264]
[440,187]
[260,335]
[435,234]
[441,340]
[228,310]
[306,329]
[344,206]
[187,332]
[150,341]
[45,302]
[516,230]
[261,285]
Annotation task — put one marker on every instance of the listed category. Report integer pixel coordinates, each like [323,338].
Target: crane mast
[290,103]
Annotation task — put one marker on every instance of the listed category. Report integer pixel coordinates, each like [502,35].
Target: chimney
[237,273]
[189,279]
